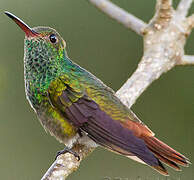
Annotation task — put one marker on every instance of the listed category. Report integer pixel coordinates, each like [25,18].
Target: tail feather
[167,161]
[159,145]
[165,153]
[161,169]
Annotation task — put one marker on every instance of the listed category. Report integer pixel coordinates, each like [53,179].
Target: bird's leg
[68,150]
[80,132]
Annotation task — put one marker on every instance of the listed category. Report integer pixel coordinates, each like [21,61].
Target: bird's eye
[53,38]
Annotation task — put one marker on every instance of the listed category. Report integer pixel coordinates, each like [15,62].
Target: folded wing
[87,116]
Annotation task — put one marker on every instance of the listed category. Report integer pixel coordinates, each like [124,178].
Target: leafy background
[112,53]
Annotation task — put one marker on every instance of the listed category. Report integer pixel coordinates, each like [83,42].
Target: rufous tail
[165,154]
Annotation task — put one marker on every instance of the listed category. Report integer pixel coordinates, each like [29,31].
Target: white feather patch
[135,158]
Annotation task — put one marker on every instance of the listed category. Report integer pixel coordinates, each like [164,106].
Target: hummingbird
[78,108]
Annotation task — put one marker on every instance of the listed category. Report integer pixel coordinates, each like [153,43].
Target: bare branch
[149,69]
[187,60]
[189,24]
[164,8]
[66,164]
[163,47]
[183,8]
[120,15]
[163,15]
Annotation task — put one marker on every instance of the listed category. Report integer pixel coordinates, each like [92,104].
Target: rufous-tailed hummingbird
[76,107]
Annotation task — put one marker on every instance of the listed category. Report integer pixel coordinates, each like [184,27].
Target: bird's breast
[51,119]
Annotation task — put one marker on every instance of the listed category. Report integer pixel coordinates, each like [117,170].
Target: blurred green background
[112,53]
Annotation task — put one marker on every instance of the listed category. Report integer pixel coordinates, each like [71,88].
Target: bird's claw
[67,150]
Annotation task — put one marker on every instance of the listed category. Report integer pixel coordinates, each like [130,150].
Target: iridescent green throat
[43,62]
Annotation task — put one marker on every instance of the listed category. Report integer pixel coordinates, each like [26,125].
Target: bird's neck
[41,68]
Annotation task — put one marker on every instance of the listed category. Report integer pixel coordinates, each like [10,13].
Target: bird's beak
[28,31]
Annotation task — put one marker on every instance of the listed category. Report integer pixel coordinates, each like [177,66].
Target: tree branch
[120,15]
[164,40]
[189,24]
[162,49]
[187,60]
[183,7]
[67,163]
[163,13]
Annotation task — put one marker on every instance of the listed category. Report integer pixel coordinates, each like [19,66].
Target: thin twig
[183,7]
[120,15]
[187,60]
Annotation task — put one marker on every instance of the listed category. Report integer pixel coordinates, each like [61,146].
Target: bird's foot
[80,133]
[68,150]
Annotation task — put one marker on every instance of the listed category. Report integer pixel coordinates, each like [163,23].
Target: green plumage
[76,107]
[48,68]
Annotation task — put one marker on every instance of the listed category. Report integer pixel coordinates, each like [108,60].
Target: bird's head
[39,38]
[44,51]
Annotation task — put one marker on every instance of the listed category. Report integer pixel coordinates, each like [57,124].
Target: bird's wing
[85,114]
[130,138]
